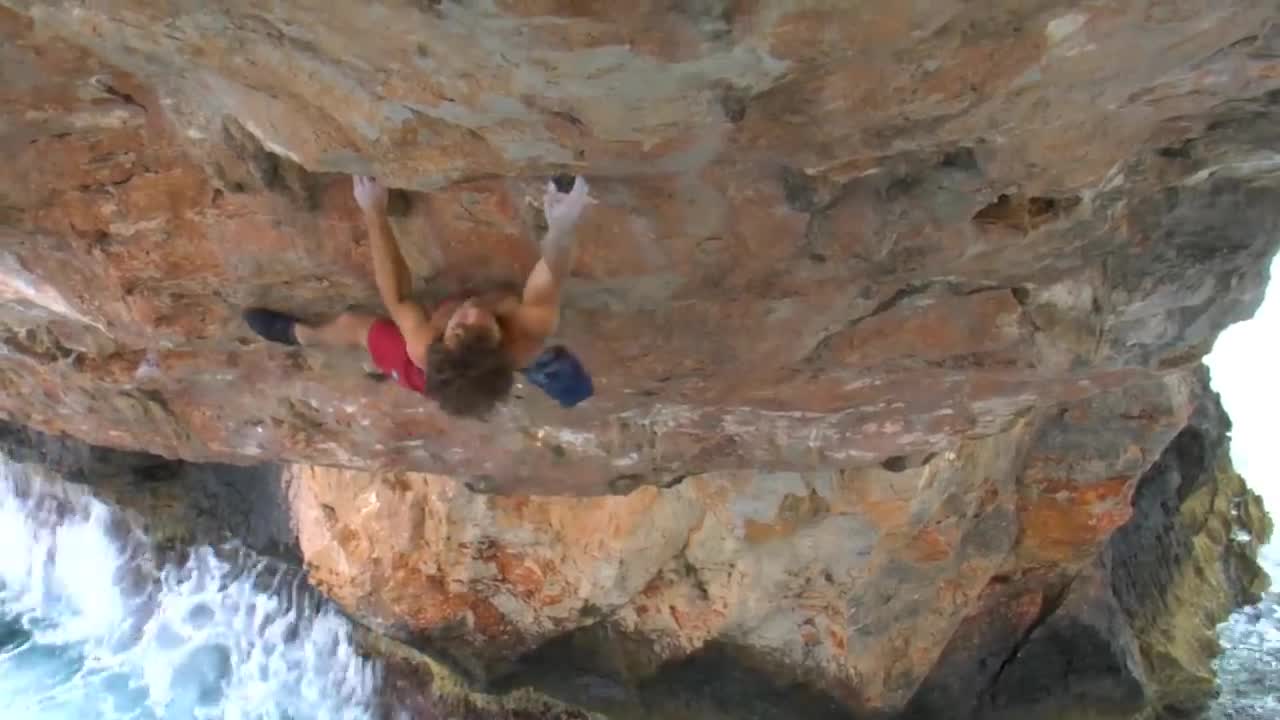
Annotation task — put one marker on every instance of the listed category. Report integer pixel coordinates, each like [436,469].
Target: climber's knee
[355,326]
[348,329]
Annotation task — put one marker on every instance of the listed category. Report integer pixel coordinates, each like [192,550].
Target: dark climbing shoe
[271,325]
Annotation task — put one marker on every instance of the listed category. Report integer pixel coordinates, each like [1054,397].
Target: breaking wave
[97,622]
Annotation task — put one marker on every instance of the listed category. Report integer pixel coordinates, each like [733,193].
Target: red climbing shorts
[387,348]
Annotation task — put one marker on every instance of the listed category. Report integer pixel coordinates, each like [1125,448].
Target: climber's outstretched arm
[539,311]
[390,272]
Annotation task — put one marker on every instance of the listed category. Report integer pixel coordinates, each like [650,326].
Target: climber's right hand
[370,194]
[563,209]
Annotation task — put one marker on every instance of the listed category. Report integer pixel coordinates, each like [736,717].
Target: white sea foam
[96,623]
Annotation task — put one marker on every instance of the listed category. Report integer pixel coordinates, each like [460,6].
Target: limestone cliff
[555,609]
[986,583]
[890,306]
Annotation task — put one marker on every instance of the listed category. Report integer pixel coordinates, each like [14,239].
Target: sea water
[97,622]
[1249,666]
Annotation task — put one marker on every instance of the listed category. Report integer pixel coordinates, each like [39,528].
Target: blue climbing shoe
[561,376]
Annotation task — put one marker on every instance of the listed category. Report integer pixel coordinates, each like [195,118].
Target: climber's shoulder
[525,328]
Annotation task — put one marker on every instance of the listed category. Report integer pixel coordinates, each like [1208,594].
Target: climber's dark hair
[471,379]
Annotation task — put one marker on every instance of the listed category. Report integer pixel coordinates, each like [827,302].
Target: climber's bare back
[524,330]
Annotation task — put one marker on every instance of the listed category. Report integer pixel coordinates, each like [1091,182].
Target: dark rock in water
[12,636]
[182,503]
[76,460]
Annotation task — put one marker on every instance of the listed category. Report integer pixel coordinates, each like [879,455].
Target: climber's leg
[350,329]
[347,329]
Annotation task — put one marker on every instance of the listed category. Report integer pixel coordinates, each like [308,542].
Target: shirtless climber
[462,353]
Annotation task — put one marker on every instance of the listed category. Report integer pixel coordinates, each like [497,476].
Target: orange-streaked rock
[784,273]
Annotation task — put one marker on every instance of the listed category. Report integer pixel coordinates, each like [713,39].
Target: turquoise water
[96,623]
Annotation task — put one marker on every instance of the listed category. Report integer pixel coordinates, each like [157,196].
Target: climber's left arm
[390,273]
[537,315]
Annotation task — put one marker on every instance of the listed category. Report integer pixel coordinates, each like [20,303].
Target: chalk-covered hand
[370,194]
[564,209]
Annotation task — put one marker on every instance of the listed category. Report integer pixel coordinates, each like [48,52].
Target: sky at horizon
[1246,376]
